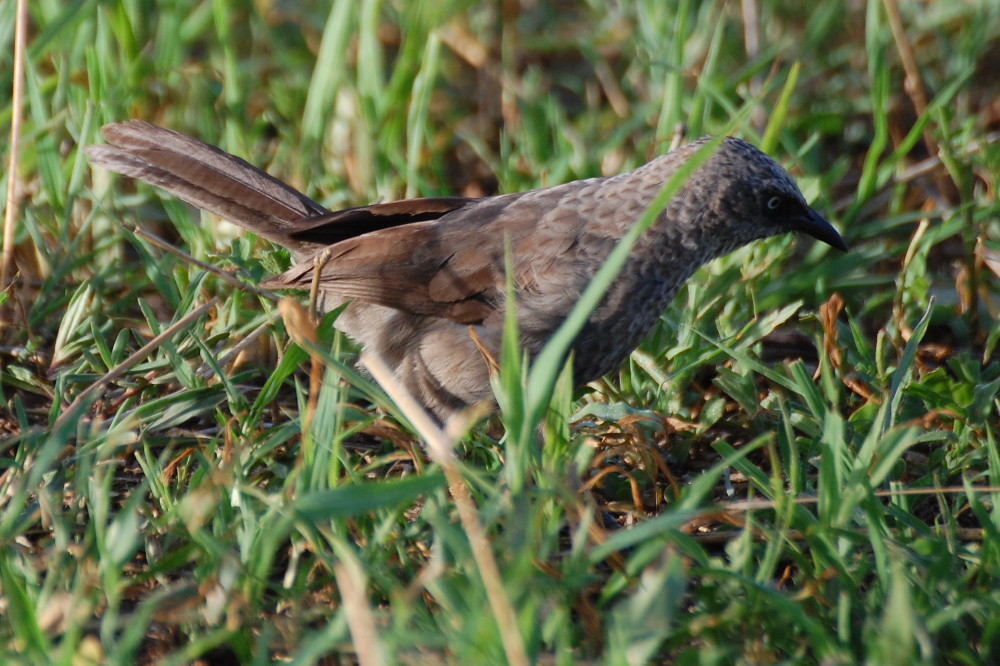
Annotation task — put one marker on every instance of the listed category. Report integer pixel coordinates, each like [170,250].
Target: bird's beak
[815,225]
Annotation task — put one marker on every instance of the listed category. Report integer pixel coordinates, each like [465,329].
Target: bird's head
[744,195]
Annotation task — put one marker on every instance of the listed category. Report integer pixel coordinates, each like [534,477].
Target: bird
[425,280]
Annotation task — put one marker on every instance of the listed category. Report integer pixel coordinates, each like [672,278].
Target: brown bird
[426,277]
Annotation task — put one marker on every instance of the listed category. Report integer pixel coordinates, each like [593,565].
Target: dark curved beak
[815,225]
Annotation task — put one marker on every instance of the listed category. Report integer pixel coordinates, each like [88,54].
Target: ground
[799,464]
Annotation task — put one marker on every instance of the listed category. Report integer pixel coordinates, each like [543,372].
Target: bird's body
[426,277]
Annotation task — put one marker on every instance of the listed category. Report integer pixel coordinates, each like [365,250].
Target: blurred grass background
[191,511]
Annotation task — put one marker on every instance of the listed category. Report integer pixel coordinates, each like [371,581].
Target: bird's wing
[395,267]
[350,222]
[451,267]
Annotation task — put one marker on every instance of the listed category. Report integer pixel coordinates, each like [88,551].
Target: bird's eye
[773,203]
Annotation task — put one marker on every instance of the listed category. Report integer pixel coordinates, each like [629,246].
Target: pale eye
[773,203]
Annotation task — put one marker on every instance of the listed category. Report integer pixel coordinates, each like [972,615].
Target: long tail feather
[208,178]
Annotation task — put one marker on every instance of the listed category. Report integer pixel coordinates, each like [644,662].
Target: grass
[799,464]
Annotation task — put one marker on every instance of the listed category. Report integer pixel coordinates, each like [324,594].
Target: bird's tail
[208,178]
